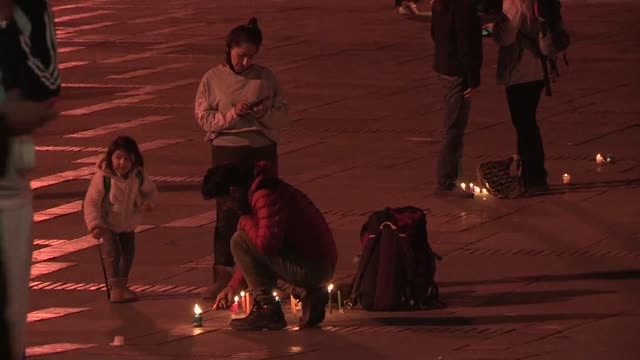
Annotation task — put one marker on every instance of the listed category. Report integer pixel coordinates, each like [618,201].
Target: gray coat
[518,40]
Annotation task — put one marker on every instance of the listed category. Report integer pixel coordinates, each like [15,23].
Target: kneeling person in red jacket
[283,241]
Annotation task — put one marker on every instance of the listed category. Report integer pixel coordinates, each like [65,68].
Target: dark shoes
[536,189]
[454,192]
[262,316]
[270,316]
[314,302]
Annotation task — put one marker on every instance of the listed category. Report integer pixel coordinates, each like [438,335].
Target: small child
[113,207]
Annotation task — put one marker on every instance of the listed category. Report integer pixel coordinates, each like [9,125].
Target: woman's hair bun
[253,22]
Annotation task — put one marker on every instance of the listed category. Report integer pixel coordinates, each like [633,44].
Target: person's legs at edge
[262,273]
[456,118]
[226,221]
[17,249]
[227,218]
[523,102]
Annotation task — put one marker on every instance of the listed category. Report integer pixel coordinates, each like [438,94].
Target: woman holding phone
[241,107]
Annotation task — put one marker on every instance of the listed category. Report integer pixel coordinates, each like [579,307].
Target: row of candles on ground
[244,302]
[476,190]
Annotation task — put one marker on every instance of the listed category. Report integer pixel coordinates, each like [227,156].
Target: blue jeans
[455,123]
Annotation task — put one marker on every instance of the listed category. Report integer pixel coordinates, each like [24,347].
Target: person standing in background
[457,33]
[521,72]
[241,107]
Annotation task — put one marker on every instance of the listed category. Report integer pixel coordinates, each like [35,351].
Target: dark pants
[118,251]
[455,123]
[227,218]
[285,271]
[523,104]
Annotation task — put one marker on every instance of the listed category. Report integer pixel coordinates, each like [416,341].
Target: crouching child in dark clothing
[283,241]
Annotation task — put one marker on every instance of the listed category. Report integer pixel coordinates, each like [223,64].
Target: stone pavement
[551,277]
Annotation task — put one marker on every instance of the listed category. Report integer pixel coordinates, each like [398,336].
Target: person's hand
[24,116]
[468,93]
[243,108]
[147,206]
[260,111]
[224,299]
[98,232]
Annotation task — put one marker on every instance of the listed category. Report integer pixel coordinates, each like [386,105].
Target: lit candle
[471,186]
[463,186]
[599,159]
[330,300]
[485,192]
[244,301]
[197,317]
[248,297]
[234,307]
[476,190]
[294,305]
[566,179]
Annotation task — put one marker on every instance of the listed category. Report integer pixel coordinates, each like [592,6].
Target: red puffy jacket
[284,217]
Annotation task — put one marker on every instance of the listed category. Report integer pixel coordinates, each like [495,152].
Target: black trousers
[227,218]
[523,102]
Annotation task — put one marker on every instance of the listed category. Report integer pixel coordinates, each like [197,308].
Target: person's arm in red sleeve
[265,228]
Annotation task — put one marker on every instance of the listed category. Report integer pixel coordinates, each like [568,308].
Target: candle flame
[275,294]
[484,191]
[236,298]
[242,293]
[197,310]
[463,186]
[330,287]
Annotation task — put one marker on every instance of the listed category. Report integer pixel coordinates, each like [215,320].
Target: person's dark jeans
[118,251]
[455,123]
[227,218]
[263,272]
[523,104]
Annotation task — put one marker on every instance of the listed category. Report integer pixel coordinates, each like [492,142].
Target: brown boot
[120,293]
[221,277]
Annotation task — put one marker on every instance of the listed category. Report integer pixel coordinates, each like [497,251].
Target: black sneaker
[313,307]
[262,316]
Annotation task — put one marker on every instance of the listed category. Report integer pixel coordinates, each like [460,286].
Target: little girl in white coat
[118,195]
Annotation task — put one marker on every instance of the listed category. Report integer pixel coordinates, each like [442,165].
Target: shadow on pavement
[596,185]
[484,320]
[144,342]
[629,274]
[517,298]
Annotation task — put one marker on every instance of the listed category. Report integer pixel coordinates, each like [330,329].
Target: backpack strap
[106,183]
[372,229]
[140,177]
